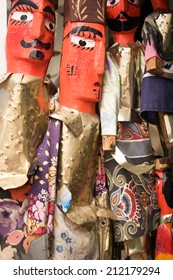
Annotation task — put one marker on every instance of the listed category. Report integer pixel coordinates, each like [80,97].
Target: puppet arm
[153,43]
[109,105]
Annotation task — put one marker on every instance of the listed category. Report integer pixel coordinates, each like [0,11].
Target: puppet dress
[22,125]
[77,213]
[156,94]
[129,170]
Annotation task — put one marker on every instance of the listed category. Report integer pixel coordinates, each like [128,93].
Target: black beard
[118,25]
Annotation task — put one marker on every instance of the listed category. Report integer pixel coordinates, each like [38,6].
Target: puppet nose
[38,26]
[123,5]
[100,59]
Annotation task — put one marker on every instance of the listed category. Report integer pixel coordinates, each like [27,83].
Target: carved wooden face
[30,36]
[82,63]
[122,15]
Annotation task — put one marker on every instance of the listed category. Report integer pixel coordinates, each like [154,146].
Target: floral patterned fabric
[43,193]
[29,210]
[13,220]
[73,242]
[132,196]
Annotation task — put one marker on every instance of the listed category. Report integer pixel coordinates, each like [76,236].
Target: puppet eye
[112,2]
[82,42]
[50,25]
[22,16]
[134,2]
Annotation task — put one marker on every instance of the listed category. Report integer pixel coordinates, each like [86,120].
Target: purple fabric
[10,216]
[43,193]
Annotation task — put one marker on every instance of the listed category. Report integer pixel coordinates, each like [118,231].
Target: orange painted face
[82,63]
[122,15]
[30,36]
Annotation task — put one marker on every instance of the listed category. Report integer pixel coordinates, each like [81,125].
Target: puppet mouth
[97,90]
[97,84]
[123,18]
[39,47]
[123,22]
[123,15]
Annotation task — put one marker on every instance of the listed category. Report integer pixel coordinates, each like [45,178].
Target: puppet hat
[84,11]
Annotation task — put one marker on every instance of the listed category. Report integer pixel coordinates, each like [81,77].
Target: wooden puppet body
[132,143]
[24,111]
[81,70]
[79,92]
[24,97]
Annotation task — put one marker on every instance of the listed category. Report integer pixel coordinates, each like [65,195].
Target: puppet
[24,109]
[75,222]
[157,85]
[126,142]
[153,39]
[24,102]
[82,66]
[156,109]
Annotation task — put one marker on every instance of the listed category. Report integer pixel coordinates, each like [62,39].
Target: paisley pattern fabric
[132,196]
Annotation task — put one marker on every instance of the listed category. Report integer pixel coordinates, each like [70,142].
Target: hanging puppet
[82,66]
[24,110]
[157,85]
[24,98]
[126,142]
[153,39]
[156,108]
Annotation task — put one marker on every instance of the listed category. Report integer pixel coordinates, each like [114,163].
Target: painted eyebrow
[25,2]
[49,10]
[79,29]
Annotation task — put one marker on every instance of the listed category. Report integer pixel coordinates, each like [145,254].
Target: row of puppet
[66,192]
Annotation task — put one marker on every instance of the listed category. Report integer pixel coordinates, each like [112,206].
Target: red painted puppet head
[83,53]
[30,36]
[123,18]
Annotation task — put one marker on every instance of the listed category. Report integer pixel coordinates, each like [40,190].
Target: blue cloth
[156,96]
